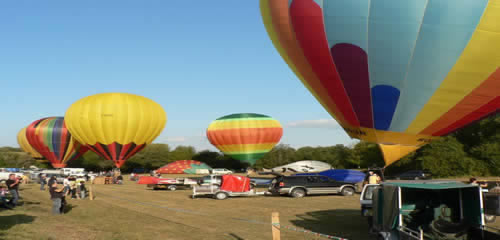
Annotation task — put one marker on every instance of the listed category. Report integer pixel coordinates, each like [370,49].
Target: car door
[329,185]
[313,184]
[366,199]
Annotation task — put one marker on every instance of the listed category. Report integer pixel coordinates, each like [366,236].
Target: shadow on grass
[21,203]
[6,222]
[346,223]
[68,208]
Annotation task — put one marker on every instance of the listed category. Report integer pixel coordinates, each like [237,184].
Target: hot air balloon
[398,73]
[115,125]
[50,137]
[25,145]
[246,136]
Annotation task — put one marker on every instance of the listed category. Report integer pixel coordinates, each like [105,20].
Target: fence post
[91,193]
[275,221]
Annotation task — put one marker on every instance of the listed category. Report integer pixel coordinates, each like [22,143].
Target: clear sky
[199,59]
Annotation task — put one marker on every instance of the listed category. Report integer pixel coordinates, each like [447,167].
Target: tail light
[282,184]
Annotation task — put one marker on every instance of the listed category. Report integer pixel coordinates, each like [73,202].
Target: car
[221,171]
[414,175]
[300,186]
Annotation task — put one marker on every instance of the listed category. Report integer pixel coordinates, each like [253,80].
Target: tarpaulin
[233,183]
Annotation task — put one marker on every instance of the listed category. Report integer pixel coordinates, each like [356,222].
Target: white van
[79,172]
[221,171]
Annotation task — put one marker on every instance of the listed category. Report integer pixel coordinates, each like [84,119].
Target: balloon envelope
[50,137]
[399,73]
[25,145]
[246,136]
[115,125]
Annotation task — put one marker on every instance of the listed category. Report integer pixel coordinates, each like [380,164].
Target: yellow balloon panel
[25,146]
[115,117]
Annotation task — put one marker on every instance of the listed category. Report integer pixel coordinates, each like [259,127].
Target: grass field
[132,211]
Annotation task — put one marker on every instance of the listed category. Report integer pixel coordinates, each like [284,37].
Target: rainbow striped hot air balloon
[245,136]
[395,72]
[50,137]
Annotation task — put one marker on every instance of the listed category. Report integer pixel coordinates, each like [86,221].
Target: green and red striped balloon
[245,136]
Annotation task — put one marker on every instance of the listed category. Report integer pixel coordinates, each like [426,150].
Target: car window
[324,179]
[312,179]
[368,194]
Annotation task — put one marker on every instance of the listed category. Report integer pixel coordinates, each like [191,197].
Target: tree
[182,153]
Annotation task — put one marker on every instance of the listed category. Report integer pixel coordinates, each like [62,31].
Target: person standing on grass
[41,176]
[13,186]
[57,197]
[66,186]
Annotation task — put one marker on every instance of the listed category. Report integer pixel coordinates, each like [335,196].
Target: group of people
[12,187]
[73,187]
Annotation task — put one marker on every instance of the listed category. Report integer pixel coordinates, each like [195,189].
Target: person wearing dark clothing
[57,197]
[52,180]
[13,186]
[42,178]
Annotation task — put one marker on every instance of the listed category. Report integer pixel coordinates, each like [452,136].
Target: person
[25,179]
[373,178]
[83,190]
[72,185]
[51,180]
[42,178]
[13,186]
[119,179]
[3,198]
[473,181]
[66,186]
[57,197]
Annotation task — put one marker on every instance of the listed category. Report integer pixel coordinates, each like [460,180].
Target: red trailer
[222,187]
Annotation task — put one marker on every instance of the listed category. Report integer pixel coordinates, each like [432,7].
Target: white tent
[304,166]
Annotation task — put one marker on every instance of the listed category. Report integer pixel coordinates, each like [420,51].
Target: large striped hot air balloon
[246,136]
[115,125]
[25,145]
[50,137]
[399,73]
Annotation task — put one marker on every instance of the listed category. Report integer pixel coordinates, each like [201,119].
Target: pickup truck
[300,186]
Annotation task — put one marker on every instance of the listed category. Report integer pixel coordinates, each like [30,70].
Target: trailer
[222,187]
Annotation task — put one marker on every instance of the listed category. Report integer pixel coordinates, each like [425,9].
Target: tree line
[472,151]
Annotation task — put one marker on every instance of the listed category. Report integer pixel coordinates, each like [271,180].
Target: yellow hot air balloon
[115,125]
[25,145]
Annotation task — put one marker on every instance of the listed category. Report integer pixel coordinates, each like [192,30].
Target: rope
[308,232]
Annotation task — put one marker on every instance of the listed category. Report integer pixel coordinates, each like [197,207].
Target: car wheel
[221,195]
[298,193]
[489,218]
[172,187]
[347,191]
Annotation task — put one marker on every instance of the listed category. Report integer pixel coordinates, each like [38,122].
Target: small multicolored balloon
[245,136]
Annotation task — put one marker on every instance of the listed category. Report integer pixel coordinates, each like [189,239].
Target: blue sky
[199,59]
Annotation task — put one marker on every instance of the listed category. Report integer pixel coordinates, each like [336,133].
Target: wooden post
[275,219]
[91,193]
